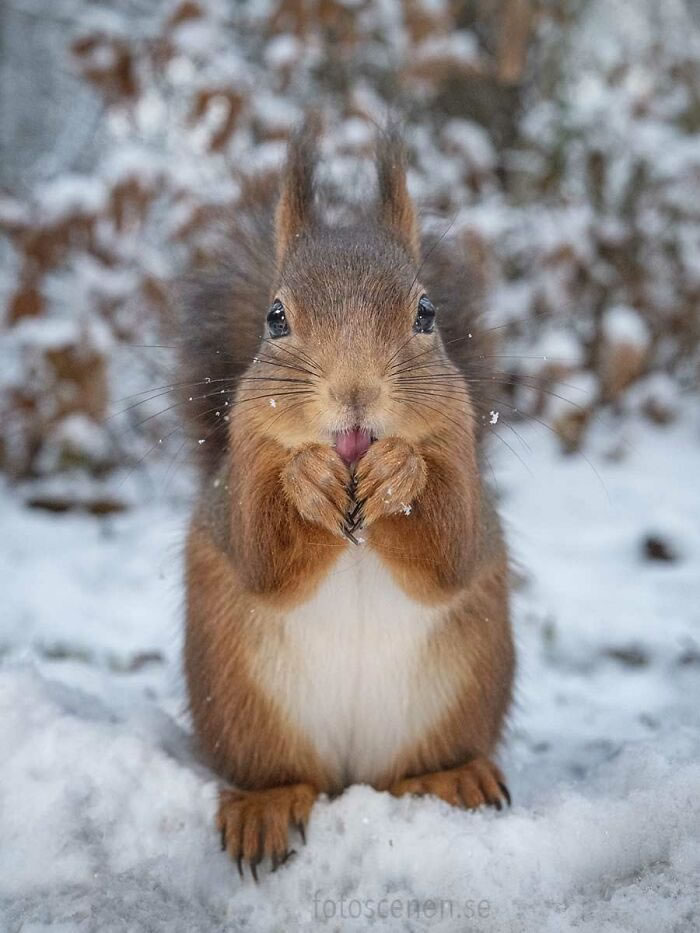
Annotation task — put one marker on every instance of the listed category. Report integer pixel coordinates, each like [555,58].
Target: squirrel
[347,580]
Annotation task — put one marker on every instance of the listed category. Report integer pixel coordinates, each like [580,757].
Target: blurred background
[558,141]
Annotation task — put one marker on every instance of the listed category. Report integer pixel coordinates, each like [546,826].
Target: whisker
[436,349]
[306,382]
[510,448]
[497,377]
[297,354]
[277,395]
[549,428]
[416,357]
[439,411]
[418,412]
[171,469]
[159,391]
[283,364]
[394,355]
[502,439]
[147,346]
[506,423]
[284,411]
[156,414]
[166,388]
[150,450]
[431,251]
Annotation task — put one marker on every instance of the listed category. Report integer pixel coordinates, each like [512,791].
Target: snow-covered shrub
[558,143]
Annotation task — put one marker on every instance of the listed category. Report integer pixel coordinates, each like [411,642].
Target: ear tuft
[295,208]
[396,209]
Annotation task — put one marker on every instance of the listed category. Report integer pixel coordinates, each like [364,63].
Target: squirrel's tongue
[351,445]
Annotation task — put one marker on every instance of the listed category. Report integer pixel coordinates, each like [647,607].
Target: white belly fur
[350,671]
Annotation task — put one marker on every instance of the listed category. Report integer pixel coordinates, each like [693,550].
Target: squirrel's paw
[475,784]
[254,825]
[388,479]
[316,481]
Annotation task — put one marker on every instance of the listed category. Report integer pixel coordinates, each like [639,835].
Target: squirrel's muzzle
[356,397]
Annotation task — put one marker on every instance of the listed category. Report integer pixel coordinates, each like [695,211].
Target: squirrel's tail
[221,314]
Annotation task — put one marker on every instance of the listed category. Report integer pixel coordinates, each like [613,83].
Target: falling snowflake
[494,417]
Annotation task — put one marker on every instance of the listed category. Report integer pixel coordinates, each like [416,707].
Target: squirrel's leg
[431,523]
[280,515]
[424,514]
[474,784]
[241,732]
[250,552]
[254,825]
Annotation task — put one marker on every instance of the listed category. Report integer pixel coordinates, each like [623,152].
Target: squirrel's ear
[296,204]
[396,208]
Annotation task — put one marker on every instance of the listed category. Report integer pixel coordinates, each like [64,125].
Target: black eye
[425,319]
[276,321]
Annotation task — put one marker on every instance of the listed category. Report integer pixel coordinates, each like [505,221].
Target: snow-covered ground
[106,818]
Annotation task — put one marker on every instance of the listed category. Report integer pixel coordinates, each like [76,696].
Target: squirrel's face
[350,335]
[348,320]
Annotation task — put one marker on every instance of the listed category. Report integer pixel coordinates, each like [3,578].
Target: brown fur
[278,506]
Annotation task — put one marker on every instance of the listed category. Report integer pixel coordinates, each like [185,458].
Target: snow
[623,325]
[472,142]
[71,195]
[275,114]
[106,816]
[577,393]
[461,45]
[282,51]
[78,434]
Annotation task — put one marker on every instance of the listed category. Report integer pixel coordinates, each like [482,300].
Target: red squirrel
[346,574]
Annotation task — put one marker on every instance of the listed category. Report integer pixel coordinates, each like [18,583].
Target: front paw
[316,482]
[388,479]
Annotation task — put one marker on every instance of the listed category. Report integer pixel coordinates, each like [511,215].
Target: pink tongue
[351,445]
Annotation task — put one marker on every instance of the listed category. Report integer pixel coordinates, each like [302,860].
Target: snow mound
[107,817]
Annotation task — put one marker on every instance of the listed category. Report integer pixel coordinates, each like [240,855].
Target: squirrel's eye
[276,321]
[425,319]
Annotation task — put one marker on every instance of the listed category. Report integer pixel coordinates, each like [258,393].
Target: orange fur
[275,521]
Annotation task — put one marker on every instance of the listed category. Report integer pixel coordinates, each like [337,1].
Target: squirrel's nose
[355,396]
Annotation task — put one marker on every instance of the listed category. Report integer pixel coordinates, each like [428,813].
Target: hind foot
[254,824]
[475,784]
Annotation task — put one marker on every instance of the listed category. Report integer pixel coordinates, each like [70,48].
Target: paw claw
[255,824]
[355,512]
[474,784]
[348,532]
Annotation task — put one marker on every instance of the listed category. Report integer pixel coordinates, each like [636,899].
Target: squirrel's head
[352,338]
